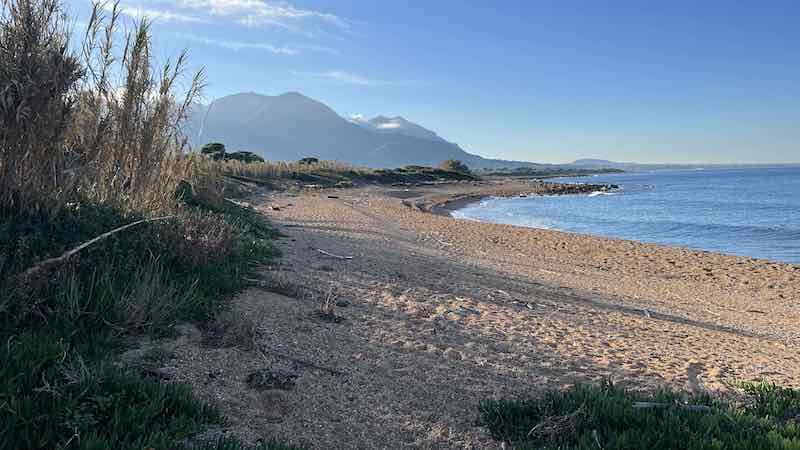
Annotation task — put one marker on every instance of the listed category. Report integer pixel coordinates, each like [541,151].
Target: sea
[751,212]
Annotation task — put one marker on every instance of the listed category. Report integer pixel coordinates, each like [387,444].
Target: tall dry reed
[93,124]
[282,169]
[129,133]
[38,75]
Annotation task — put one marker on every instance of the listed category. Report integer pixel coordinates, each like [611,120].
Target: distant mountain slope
[397,125]
[292,126]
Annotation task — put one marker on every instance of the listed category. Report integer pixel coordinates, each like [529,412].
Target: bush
[309,161]
[245,157]
[454,165]
[591,417]
[214,150]
[70,321]
[54,398]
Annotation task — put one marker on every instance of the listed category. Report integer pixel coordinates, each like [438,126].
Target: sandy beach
[435,315]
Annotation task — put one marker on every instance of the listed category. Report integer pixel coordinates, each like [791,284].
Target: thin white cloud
[350,78]
[344,77]
[319,48]
[139,12]
[252,13]
[259,12]
[238,45]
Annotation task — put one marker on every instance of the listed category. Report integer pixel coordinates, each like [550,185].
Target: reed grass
[90,141]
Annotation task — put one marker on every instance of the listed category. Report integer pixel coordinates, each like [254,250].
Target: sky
[669,81]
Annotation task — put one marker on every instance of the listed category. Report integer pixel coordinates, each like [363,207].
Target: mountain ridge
[291,126]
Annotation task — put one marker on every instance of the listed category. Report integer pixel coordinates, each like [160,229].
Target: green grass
[59,384]
[51,397]
[593,417]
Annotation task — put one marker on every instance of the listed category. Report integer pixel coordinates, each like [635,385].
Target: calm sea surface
[748,212]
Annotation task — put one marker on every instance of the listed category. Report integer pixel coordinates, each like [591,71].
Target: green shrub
[591,417]
[245,157]
[54,398]
[217,152]
[214,150]
[66,324]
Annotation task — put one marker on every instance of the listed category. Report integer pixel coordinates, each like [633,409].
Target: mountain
[397,125]
[292,126]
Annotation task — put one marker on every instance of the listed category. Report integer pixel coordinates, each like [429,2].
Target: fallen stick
[303,362]
[69,253]
[332,255]
[647,405]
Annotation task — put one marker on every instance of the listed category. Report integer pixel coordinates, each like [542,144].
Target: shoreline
[445,205]
[435,315]
[450,197]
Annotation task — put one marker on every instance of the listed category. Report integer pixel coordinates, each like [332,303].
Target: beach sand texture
[439,314]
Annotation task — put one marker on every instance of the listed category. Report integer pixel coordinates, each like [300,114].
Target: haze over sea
[747,211]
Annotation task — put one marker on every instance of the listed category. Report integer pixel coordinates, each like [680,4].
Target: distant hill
[292,126]
[591,163]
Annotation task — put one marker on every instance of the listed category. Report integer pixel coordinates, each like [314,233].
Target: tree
[245,157]
[309,161]
[214,150]
[454,165]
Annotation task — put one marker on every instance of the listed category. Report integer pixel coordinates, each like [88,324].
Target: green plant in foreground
[592,417]
[52,397]
[58,388]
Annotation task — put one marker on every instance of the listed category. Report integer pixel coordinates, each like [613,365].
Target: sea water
[749,211]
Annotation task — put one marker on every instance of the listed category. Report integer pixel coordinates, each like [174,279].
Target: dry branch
[301,362]
[38,267]
[332,255]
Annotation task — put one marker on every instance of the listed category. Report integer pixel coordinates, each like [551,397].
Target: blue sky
[671,81]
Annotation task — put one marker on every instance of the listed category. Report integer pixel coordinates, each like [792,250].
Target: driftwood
[332,255]
[648,405]
[41,265]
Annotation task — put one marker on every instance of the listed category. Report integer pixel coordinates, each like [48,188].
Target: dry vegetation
[90,143]
[284,169]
